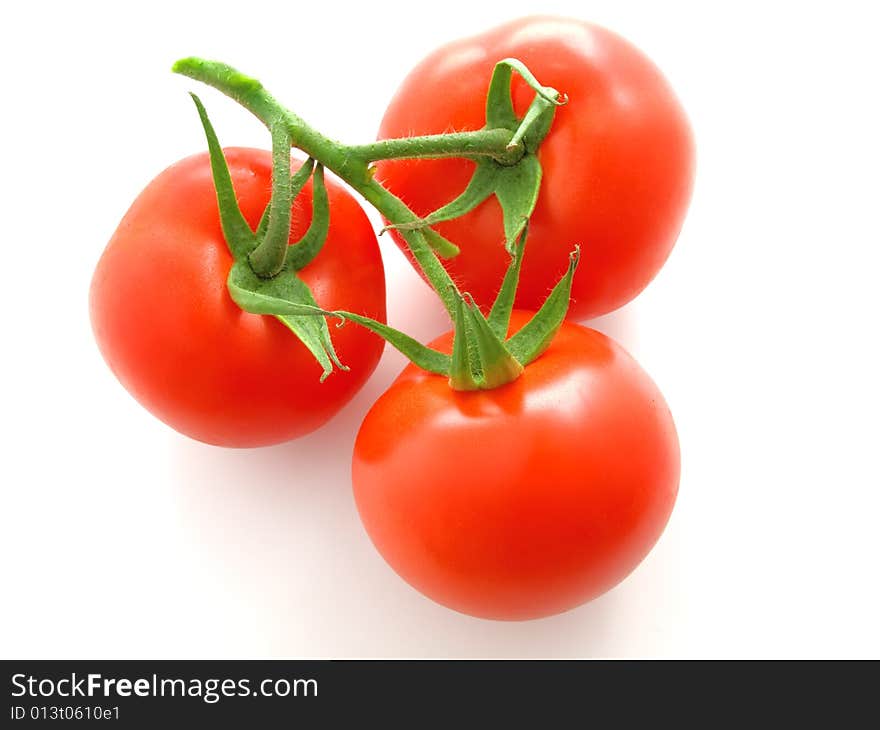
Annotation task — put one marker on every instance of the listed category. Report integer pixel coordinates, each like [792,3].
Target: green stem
[495,143]
[267,259]
[251,94]
[394,209]
[335,156]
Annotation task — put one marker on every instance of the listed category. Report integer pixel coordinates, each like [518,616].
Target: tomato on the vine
[527,499]
[171,333]
[618,162]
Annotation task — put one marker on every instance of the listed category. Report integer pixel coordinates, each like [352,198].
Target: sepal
[535,337]
[287,298]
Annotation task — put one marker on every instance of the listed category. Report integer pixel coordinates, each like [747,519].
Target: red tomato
[618,163]
[526,500]
[171,333]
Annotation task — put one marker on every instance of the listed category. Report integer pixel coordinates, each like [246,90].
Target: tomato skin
[526,500]
[618,162]
[169,330]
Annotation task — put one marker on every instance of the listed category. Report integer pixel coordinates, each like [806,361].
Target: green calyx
[480,359]
[264,278]
[483,357]
[514,175]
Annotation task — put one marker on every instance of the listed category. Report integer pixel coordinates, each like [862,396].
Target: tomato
[618,162]
[525,500]
[171,333]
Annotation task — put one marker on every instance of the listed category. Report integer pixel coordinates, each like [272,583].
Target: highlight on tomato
[615,170]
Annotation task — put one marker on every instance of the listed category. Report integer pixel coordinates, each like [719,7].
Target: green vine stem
[351,163]
[264,279]
[494,143]
[267,259]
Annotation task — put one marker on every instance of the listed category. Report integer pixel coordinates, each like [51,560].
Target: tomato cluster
[510,498]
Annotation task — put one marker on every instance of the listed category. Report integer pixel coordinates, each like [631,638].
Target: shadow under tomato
[621,326]
[388,618]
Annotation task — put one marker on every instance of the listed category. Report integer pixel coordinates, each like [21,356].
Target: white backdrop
[121,538]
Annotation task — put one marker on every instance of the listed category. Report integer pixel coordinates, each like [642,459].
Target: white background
[121,538]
